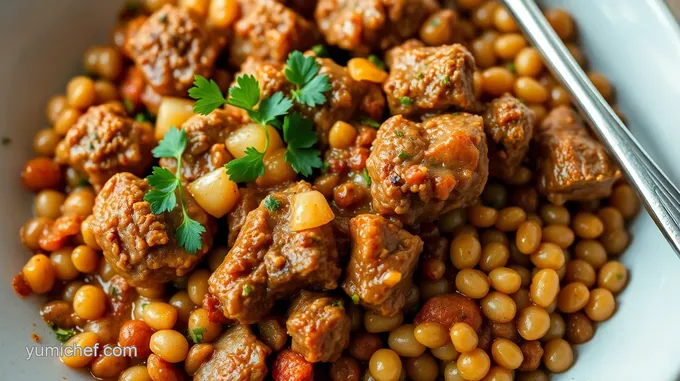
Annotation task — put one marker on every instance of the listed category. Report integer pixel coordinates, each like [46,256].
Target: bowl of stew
[330,190]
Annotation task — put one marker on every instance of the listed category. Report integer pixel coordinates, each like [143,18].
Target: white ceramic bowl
[635,42]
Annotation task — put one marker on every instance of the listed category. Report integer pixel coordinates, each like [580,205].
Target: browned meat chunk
[270,31]
[269,261]
[420,170]
[319,327]
[344,100]
[105,141]
[425,80]
[365,25]
[380,269]
[140,245]
[206,150]
[509,125]
[170,48]
[238,356]
[572,165]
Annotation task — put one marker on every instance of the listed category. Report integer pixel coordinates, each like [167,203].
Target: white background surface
[635,42]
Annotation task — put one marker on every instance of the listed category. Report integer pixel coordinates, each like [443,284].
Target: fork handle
[659,195]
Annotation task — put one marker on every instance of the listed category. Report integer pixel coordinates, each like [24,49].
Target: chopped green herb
[463,315]
[164,184]
[143,117]
[247,289]
[338,303]
[63,335]
[324,168]
[420,75]
[619,276]
[113,291]
[366,121]
[399,133]
[410,138]
[403,155]
[355,299]
[406,101]
[320,50]
[144,305]
[83,182]
[129,106]
[375,60]
[367,178]
[196,335]
[271,203]
[511,67]
[445,80]
[309,87]
[163,17]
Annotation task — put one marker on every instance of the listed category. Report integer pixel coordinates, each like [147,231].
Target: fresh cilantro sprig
[309,87]
[196,335]
[164,183]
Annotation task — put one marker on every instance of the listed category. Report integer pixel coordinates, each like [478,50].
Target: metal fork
[659,195]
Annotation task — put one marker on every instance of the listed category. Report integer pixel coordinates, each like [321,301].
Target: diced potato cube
[215,192]
[310,210]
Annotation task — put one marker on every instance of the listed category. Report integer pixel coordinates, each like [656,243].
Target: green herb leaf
[196,335]
[63,335]
[271,108]
[445,80]
[367,178]
[366,121]
[403,155]
[207,94]
[420,75]
[129,106]
[300,69]
[338,303]
[189,234]
[511,67]
[355,299]
[247,289]
[162,198]
[399,133]
[320,50]
[143,117]
[246,93]
[375,60]
[271,203]
[113,291]
[173,144]
[298,131]
[144,305]
[406,101]
[299,134]
[324,168]
[302,72]
[246,168]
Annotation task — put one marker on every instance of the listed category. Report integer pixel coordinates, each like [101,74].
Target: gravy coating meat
[365,25]
[430,79]
[170,48]
[319,327]
[381,265]
[346,99]
[239,355]
[269,31]
[509,126]
[572,165]
[105,141]
[206,150]
[421,170]
[139,245]
[269,261]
